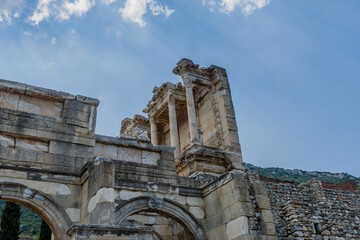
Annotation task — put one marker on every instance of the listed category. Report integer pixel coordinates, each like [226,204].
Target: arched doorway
[164,207]
[46,207]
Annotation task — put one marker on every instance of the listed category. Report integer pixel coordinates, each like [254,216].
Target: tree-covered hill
[301,176]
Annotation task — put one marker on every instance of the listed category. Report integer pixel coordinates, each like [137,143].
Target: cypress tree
[45,231]
[10,222]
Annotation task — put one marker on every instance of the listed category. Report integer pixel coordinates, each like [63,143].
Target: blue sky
[293,65]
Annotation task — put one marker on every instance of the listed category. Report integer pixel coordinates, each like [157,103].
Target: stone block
[262,201]
[217,233]
[105,150]
[102,195]
[129,154]
[151,158]
[70,149]
[215,220]
[268,228]
[213,208]
[195,201]
[267,216]
[103,213]
[178,199]
[163,230]
[74,214]
[148,220]
[7,141]
[32,145]
[161,220]
[243,209]
[80,106]
[197,212]
[237,227]
[40,106]
[12,87]
[127,195]
[249,237]
[259,188]
[9,100]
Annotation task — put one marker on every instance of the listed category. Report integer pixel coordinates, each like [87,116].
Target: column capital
[188,80]
[170,98]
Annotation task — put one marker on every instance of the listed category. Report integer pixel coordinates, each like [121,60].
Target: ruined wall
[46,137]
[308,211]
[237,207]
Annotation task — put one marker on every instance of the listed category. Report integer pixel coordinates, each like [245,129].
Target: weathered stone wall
[308,211]
[237,207]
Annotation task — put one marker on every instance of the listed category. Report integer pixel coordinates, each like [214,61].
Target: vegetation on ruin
[29,224]
[45,232]
[10,222]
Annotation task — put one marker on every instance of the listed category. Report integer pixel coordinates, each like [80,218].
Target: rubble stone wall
[308,211]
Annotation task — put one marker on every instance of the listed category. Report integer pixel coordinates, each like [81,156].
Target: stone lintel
[119,141]
[21,88]
[159,100]
[94,230]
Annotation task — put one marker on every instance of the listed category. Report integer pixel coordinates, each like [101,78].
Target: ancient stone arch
[162,206]
[39,202]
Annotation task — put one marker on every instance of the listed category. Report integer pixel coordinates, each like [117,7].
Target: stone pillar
[194,132]
[153,129]
[174,134]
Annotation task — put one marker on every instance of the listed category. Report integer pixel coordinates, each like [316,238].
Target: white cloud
[107,2]
[53,40]
[113,31]
[134,10]
[77,7]
[210,4]
[227,6]
[42,12]
[10,9]
[157,9]
[61,9]
[247,6]
[27,34]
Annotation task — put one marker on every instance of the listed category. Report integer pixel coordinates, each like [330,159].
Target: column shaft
[153,130]
[194,132]
[174,134]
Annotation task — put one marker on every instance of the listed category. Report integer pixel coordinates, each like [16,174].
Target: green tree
[45,232]
[10,222]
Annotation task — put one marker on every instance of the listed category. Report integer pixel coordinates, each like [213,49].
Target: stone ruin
[175,174]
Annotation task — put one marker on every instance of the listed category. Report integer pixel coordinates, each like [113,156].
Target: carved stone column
[194,132]
[174,134]
[153,129]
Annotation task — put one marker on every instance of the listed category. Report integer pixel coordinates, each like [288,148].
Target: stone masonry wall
[308,211]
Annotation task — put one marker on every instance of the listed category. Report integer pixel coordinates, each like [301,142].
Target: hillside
[301,176]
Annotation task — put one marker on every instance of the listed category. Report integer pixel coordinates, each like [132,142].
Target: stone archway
[162,206]
[39,202]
